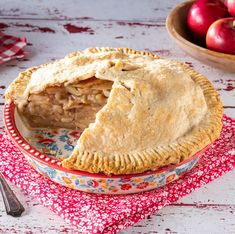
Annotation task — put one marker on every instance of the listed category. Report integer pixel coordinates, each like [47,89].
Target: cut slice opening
[72,106]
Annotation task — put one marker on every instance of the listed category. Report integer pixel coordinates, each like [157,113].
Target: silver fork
[12,204]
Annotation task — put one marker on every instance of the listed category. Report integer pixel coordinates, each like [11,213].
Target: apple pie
[138,112]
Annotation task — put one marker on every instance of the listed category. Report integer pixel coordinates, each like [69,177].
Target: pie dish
[44,148]
[137,112]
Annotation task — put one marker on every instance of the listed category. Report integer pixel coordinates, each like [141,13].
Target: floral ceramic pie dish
[45,148]
[112,116]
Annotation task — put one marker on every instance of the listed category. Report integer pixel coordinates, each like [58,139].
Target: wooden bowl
[176,24]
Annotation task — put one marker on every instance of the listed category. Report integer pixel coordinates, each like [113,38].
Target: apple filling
[68,106]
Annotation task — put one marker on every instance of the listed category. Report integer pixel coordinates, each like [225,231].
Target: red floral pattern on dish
[92,213]
[142,185]
[170,178]
[93,183]
[125,186]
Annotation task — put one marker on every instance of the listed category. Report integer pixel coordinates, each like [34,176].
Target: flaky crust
[123,144]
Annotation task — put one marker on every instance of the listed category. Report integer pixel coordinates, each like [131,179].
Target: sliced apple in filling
[67,106]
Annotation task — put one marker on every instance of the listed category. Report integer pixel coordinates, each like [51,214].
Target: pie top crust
[158,112]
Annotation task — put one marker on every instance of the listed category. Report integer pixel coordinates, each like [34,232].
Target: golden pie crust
[148,112]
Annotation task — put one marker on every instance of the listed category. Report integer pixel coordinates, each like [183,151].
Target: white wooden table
[54,28]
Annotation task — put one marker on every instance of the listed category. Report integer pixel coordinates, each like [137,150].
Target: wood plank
[56,41]
[219,191]
[214,203]
[187,219]
[171,219]
[88,10]
[35,219]
[48,26]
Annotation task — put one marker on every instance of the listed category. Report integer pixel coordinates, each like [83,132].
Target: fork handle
[12,204]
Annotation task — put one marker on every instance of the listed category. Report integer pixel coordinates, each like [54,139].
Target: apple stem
[233,24]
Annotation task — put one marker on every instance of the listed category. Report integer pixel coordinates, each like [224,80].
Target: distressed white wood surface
[124,23]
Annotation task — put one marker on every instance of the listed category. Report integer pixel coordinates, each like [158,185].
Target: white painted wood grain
[98,10]
[187,219]
[47,46]
[209,209]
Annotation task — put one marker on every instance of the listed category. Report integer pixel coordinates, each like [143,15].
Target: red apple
[231,7]
[221,36]
[202,14]
[226,3]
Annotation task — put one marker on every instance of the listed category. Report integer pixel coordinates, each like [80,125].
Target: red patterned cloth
[91,213]
[11,47]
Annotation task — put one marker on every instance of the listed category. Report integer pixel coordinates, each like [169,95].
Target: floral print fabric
[92,213]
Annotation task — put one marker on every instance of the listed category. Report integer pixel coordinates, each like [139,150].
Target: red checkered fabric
[11,47]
